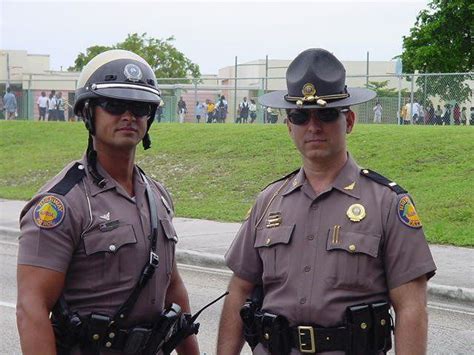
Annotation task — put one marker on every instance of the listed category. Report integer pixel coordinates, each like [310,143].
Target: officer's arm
[38,290]
[411,327]
[178,294]
[230,338]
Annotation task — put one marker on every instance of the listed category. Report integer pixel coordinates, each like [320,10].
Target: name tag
[108,226]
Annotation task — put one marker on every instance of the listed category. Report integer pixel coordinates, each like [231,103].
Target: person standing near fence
[60,105]
[329,247]
[244,108]
[42,103]
[182,110]
[377,112]
[52,106]
[10,105]
[253,111]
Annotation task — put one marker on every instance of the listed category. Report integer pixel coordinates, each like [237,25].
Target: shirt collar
[347,181]
[138,183]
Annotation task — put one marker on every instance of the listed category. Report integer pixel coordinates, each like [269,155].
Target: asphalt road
[451,324]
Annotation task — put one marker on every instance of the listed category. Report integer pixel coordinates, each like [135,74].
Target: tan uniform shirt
[314,261]
[99,237]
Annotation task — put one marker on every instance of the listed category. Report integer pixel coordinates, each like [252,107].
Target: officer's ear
[350,120]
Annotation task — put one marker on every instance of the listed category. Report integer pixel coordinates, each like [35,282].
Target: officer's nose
[315,123]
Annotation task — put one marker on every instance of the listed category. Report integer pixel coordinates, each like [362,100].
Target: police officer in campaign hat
[97,244]
[326,251]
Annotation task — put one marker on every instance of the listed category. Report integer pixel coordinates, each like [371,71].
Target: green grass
[215,171]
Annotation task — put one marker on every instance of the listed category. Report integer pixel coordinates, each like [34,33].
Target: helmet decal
[132,72]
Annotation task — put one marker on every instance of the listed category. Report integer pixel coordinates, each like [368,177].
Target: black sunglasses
[302,117]
[119,107]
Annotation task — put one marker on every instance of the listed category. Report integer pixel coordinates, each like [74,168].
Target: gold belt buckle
[306,338]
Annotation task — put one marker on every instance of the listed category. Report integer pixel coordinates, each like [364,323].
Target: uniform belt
[312,340]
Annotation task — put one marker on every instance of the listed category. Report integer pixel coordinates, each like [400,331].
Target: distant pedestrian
[52,106]
[159,110]
[377,112]
[447,115]
[60,107]
[10,105]
[42,106]
[244,107]
[181,109]
[438,116]
[221,109]
[199,111]
[211,112]
[457,114]
[253,111]
[464,120]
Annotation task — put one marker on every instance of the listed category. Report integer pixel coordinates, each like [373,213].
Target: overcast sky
[211,34]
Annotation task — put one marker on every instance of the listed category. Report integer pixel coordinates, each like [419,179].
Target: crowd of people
[51,107]
[416,113]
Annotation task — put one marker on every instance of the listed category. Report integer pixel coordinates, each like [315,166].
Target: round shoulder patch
[407,212]
[49,212]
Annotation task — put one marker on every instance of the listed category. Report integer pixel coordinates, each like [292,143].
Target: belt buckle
[306,339]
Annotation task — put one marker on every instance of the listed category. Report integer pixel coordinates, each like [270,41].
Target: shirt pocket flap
[273,236]
[111,241]
[169,230]
[353,242]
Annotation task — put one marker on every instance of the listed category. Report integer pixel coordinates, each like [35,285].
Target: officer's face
[118,131]
[320,141]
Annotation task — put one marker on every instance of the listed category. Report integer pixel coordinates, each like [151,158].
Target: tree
[161,54]
[440,42]
[382,91]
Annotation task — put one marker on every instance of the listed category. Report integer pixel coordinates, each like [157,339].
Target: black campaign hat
[316,79]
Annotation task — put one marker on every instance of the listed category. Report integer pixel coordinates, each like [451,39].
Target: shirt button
[307,268]
[310,237]
[314,206]
[352,248]
[303,300]
[112,247]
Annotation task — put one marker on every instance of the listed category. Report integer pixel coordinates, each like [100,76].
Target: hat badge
[132,72]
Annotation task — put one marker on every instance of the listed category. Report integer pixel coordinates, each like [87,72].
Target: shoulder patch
[283,178]
[49,212]
[72,177]
[383,181]
[407,212]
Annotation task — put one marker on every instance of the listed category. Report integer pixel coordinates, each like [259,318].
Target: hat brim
[129,95]
[276,99]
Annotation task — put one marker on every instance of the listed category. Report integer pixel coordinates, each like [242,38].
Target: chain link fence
[427,99]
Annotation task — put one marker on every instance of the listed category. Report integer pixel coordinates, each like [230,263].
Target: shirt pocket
[273,248]
[170,240]
[109,256]
[352,257]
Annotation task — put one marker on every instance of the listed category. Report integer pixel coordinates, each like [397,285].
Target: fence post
[235,91]
[411,97]
[399,117]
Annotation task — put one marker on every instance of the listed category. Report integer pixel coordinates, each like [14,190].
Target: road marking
[9,243]
[7,304]
[205,269]
[441,307]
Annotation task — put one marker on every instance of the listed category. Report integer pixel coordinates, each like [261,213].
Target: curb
[196,258]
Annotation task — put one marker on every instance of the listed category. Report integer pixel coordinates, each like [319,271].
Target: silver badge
[132,72]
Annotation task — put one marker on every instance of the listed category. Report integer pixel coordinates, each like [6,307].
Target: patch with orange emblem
[407,213]
[49,212]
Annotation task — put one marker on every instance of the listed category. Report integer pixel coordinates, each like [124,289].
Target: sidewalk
[204,243]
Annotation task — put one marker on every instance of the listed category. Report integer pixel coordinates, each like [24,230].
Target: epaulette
[283,178]
[75,174]
[383,181]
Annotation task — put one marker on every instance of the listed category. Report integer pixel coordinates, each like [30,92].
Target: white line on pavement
[7,304]
[205,269]
[441,307]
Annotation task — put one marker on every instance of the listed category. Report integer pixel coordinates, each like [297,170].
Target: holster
[274,330]
[247,314]
[369,328]
[163,329]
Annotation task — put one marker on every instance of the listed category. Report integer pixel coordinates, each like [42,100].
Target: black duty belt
[366,331]
[311,340]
